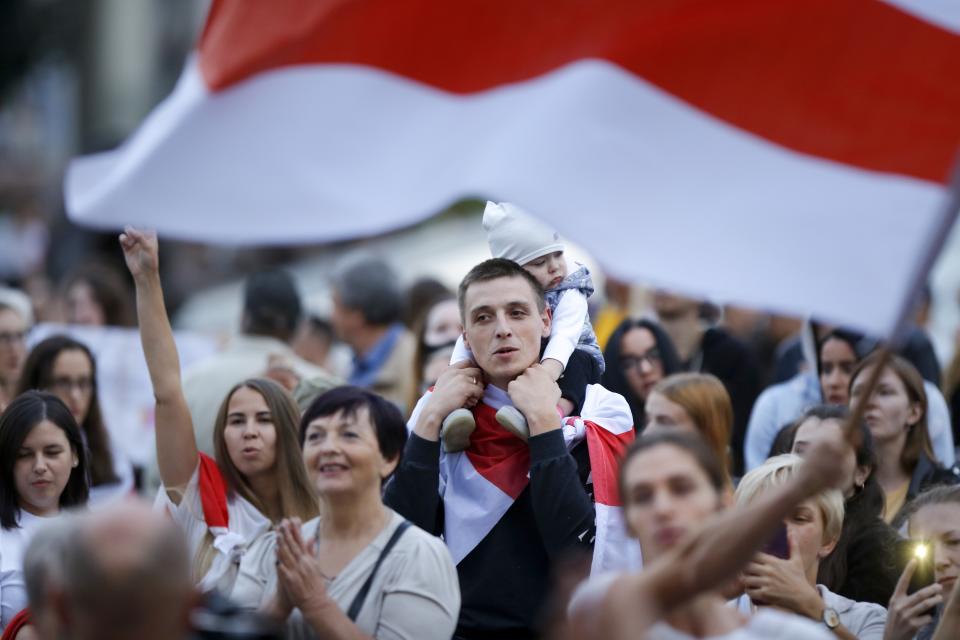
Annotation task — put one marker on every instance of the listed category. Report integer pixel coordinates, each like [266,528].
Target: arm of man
[566,325]
[561,506]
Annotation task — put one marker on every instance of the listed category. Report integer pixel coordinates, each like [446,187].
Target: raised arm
[177,455]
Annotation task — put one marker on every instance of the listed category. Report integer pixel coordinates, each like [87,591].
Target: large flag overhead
[793,155]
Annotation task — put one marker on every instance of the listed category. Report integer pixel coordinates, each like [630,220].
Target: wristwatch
[831,618]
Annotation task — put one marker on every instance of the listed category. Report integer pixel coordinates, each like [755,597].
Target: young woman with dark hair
[639,354]
[66,368]
[43,470]
[257,479]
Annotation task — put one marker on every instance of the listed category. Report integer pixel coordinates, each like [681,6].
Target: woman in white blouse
[257,479]
[43,469]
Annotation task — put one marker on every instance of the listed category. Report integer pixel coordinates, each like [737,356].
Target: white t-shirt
[766,624]
[13,544]
[246,525]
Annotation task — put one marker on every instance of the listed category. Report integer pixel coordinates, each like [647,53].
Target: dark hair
[38,374]
[614,378]
[296,494]
[691,444]
[493,269]
[369,285]
[271,305]
[386,419]
[110,289]
[918,439]
[24,413]
[854,340]
[424,351]
[862,510]
[420,297]
[946,494]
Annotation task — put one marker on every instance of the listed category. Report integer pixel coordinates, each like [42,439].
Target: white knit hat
[514,234]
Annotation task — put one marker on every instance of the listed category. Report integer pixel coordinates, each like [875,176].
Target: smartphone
[923,575]
[779,545]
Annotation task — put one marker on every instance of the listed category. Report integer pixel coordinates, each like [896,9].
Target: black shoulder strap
[357,603]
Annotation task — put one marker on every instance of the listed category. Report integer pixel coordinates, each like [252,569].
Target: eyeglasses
[8,338]
[651,357]
[66,385]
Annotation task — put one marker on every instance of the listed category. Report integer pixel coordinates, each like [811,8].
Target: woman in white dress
[43,470]
[258,477]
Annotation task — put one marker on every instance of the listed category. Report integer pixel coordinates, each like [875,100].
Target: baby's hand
[553,367]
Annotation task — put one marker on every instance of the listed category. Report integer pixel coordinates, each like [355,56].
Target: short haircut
[778,471]
[690,444]
[494,269]
[370,286]
[24,413]
[42,561]
[386,419]
[271,304]
[936,495]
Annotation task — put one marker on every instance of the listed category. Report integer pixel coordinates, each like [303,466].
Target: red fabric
[213,493]
[498,455]
[16,624]
[606,450]
[855,81]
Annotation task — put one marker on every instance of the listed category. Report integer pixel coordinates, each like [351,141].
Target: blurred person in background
[419,297]
[639,354]
[271,316]
[43,470]
[790,583]
[67,369]
[257,479]
[695,403]
[896,414]
[436,337]
[367,308]
[96,294]
[866,562]
[710,349]
[615,309]
[16,318]
[43,579]
[314,342]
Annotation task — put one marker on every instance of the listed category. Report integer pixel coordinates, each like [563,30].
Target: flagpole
[936,240]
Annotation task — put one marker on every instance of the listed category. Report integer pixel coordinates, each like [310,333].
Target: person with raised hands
[257,479]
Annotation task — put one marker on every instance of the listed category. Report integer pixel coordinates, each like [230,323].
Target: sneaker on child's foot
[513,421]
[456,429]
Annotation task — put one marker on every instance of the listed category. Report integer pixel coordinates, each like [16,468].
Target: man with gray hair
[367,306]
[123,573]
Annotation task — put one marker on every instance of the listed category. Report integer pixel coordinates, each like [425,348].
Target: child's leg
[581,370]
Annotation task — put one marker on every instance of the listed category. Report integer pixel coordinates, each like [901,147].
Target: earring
[76,463]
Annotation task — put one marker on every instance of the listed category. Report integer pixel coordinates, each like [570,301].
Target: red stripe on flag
[855,81]
[498,455]
[213,493]
[606,449]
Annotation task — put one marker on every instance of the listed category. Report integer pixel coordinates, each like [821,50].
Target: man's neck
[686,332]
[366,338]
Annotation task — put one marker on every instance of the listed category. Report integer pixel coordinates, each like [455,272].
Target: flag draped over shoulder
[790,154]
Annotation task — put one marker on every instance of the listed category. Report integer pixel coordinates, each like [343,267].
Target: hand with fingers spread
[782,583]
[461,385]
[908,613]
[140,252]
[300,579]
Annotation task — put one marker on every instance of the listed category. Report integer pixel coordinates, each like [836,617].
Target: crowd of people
[490,466]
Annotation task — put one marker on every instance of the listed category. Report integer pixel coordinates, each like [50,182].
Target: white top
[865,620]
[766,624]
[13,544]
[246,525]
[106,494]
[565,330]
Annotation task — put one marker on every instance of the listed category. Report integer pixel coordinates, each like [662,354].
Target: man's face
[503,327]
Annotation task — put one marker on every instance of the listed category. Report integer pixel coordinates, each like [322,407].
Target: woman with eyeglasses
[638,355]
[66,368]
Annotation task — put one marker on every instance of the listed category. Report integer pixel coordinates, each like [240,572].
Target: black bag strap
[357,603]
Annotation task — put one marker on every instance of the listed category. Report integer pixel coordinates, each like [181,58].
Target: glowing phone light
[920,551]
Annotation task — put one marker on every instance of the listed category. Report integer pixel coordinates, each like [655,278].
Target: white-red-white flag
[790,154]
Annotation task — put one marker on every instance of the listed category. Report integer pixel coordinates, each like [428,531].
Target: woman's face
[939,526]
[666,494]
[664,414]
[13,346]
[814,430]
[837,362]
[805,528]
[42,469]
[342,455]
[889,411]
[640,361]
[249,433]
[442,324]
[435,364]
[82,305]
[72,381]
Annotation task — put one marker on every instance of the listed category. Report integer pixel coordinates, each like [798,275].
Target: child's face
[549,270]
